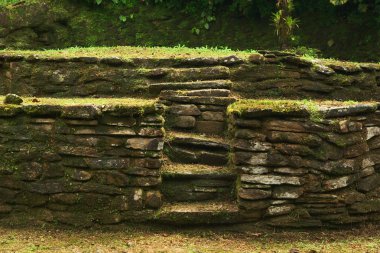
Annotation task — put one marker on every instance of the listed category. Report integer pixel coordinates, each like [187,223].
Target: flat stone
[251,145]
[271,179]
[208,93]
[80,112]
[279,210]
[185,122]
[287,192]
[81,175]
[286,126]
[213,116]
[254,194]
[356,150]
[296,138]
[210,127]
[290,171]
[341,167]
[249,134]
[153,144]
[5,208]
[372,132]
[185,110]
[248,158]
[248,123]
[253,170]
[338,183]
[369,183]
[366,206]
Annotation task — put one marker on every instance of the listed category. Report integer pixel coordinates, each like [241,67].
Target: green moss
[285,106]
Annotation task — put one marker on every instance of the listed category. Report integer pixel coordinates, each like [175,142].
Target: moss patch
[127,52]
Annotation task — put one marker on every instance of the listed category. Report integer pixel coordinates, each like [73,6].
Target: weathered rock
[287,192]
[372,132]
[254,194]
[213,116]
[297,138]
[251,145]
[271,179]
[185,110]
[368,183]
[279,210]
[145,144]
[81,175]
[153,199]
[13,99]
[366,206]
[338,183]
[185,122]
[210,127]
[253,170]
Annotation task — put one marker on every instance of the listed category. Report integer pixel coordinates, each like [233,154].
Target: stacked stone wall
[297,172]
[80,165]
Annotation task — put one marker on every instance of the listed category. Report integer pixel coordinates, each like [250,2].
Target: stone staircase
[198,184]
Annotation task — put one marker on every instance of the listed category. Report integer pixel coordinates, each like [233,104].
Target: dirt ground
[142,238]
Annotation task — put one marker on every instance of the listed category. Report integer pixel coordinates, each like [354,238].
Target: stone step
[196,93]
[190,182]
[199,141]
[209,212]
[156,88]
[196,171]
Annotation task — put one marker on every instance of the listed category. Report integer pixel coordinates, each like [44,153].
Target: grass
[133,102]
[127,52]
[191,240]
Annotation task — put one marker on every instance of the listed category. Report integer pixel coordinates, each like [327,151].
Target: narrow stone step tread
[179,170]
[214,84]
[198,140]
[205,212]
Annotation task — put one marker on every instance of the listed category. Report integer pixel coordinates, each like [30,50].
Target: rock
[287,192]
[185,122]
[356,150]
[210,127]
[344,140]
[286,126]
[87,112]
[5,208]
[251,145]
[296,138]
[372,132]
[253,170]
[81,175]
[253,194]
[323,70]
[253,205]
[13,99]
[271,179]
[366,206]
[207,93]
[341,167]
[249,134]
[153,199]
[290,171]
[279,210]
[346,126]
[248,123]
[251,158]
[256,58]
[147,144]
[213,116]
[338,183]
[185,110]
[369,183]
[111,178]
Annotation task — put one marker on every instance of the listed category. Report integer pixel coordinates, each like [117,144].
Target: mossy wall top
[116,74]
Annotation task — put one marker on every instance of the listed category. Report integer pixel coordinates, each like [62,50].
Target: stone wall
[298,172]
[268,74]
[80,164]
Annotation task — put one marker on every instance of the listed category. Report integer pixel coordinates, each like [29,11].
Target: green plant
[284,23]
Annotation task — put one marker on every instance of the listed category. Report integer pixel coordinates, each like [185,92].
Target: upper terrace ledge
[127,54]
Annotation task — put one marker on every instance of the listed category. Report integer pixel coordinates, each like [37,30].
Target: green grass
[135,102]
[191,240]
[127,52]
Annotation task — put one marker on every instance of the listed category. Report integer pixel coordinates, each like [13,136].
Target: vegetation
[133,52]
